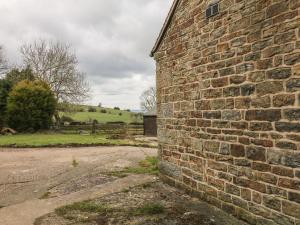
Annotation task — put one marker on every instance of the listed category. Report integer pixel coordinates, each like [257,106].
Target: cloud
[112,39]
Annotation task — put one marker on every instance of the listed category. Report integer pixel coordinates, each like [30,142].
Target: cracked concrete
[27,174]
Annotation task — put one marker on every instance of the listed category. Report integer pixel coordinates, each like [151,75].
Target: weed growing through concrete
[75,163]
[147,166]
[46,195]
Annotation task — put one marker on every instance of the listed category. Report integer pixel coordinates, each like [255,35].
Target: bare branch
[148,100]
[3,62]
[56,64]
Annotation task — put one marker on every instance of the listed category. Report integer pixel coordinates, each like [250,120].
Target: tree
[55,64]
[3,63]
[148,100]
[92,109]
[15,75]
[31,106]
[5,88]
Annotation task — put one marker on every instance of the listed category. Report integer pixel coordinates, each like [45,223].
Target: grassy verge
[63,140]
[147,166]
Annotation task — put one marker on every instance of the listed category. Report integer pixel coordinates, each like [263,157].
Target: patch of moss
[149,209]
[85,206]
[45,195]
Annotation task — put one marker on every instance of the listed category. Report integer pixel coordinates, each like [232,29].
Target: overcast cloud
[112,39]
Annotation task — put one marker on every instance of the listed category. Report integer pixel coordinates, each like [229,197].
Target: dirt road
[27,174]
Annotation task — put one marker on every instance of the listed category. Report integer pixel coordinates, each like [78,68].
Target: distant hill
[84,113]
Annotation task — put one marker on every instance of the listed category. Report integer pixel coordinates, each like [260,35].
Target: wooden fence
[130,129]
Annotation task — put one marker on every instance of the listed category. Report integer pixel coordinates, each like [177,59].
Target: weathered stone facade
[229,106]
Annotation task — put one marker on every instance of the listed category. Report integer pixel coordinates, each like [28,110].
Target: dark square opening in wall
[212,10]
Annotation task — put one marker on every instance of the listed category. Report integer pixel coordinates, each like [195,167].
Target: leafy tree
[92,109]
[31,106]
[5,88]
[15,75]
[103,111]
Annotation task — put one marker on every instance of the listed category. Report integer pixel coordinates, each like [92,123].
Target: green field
[111,115]
[48,140]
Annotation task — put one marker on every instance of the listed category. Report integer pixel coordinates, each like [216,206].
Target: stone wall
[229,107]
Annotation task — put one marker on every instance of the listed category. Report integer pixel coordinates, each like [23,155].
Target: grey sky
[112,39]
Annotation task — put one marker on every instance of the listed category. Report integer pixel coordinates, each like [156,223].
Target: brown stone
[237,150]
[283,171]
[261,102]
[294,196]
[279,73]
[256,153]
[290,208]
[264,115]
[256,76]
[270,87]
[277,8]
[283,100]
[272,202]
[237,79]
[261,126]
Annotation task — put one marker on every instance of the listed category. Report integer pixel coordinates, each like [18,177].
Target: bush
[103,111]
[92,109]
[120,114]
[5,88]
[31,106]
[15,75]
[116,108]
[64,119]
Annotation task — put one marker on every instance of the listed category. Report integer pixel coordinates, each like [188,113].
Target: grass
[45,195]
[149,209]
[75,163]
[49,140]
[147,166]
[112,115]
[70,212]
[85,206]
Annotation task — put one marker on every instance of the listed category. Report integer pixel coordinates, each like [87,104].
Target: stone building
[228,79]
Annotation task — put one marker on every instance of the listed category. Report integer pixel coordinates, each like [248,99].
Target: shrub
[120,114]
[31,106]
[92,109]
[116,108]
[15,75]
[5,88]
[103,111]
[64,119]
